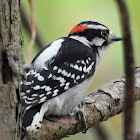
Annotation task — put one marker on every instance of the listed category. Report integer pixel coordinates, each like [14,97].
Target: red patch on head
[78,28]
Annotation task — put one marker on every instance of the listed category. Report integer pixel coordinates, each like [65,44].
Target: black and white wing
[61,65]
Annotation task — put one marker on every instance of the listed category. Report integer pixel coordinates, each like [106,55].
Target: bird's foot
[81,115]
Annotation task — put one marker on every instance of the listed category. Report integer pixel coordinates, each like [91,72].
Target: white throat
[102,52]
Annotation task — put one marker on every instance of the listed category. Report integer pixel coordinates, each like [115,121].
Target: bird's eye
[104,33]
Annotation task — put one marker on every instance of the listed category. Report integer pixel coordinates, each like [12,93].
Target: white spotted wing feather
[50,78]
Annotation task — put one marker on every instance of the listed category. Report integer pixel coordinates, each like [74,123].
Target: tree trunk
[11,72]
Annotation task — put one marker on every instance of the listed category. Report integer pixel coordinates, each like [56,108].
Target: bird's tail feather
[32,118]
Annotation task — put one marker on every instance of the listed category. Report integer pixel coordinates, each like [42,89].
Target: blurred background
[55,19]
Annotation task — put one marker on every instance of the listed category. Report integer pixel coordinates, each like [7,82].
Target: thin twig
[33,33]
[129,70]
[25,21]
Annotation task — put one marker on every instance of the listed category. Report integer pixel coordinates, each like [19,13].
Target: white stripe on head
[101,27]
[48,54]
[96,26]
[81,39]
[98,41]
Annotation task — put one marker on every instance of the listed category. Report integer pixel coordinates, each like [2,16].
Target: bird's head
[93,33]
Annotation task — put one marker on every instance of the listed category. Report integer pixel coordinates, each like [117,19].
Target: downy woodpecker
[62,72]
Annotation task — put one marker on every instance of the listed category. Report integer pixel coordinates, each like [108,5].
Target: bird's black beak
[116,38]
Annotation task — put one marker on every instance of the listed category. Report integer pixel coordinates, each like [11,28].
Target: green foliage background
[55,18]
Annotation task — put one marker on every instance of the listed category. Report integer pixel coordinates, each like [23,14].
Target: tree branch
[129,113]
[98,106]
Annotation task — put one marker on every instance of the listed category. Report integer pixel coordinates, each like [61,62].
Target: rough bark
[99,106]
[11,72]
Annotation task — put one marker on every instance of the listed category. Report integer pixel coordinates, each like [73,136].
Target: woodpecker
[61,73]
